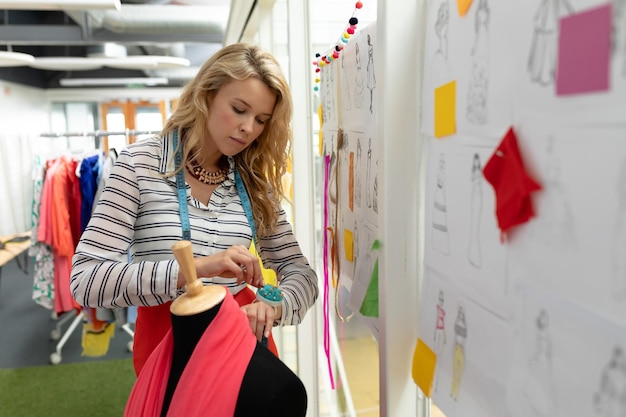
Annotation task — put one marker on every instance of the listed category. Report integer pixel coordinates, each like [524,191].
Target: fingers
[249,267]
[261,319]
[235,262]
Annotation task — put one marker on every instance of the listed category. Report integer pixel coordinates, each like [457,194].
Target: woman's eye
[261,122]
[237,110]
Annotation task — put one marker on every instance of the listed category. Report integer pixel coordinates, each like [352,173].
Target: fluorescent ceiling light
[66,63]
[60,4]
[82,82]
[139,62]
[147,62]
[15,59]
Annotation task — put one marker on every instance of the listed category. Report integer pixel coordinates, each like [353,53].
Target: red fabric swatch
[513,186]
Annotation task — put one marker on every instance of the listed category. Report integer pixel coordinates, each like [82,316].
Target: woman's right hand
[234,262]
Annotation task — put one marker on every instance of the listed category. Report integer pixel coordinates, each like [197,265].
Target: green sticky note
[369,307]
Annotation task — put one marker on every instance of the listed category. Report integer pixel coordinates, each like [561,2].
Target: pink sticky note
[584,51]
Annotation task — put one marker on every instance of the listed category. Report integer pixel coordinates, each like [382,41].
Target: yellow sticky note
[463,6]
[269,275]
[348,244]
[445,109]
[423,372]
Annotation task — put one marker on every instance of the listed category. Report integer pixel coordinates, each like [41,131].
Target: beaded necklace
[204,176]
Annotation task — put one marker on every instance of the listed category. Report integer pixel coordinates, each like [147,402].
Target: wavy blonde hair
[263,163]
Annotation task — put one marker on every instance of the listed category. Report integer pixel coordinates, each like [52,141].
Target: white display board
[544,305]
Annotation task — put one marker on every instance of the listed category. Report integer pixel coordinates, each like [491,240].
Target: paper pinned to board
[423,369]
[584,53]
[348,244]
[463,6]
[445,109]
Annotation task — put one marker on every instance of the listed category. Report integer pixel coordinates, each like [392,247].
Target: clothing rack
[57,333]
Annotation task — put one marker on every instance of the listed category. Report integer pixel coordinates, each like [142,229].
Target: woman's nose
[246,124]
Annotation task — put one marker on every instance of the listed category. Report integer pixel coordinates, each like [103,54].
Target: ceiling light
[66,63]
[60,4]
[148,62]
[82,82]
[15,59]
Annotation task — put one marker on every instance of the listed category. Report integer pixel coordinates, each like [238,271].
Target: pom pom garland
[335,52]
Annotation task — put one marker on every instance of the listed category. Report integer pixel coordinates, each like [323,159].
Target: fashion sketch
[331,86]
[359,87]
[609,400]
[375,191]
[544,46]
[440,335]
[539,389]
[557,220]
[368,176]
[479,75]
[355,250]
[474,254]
[458,356]
[357,173]
[346,100]
[440,239]
[351,182]
[618,246]
[371,74]
[441,67]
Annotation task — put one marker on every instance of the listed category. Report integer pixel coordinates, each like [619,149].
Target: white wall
[23,116]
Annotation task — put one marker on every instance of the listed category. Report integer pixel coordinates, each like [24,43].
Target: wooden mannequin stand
[197,298]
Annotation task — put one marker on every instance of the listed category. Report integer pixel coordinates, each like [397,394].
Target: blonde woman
[213,177]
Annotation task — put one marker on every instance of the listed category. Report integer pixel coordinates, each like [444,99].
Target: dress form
[196,364]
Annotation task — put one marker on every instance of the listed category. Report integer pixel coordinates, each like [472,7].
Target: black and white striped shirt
[124,256]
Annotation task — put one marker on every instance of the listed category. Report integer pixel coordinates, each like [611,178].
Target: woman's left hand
[260,317]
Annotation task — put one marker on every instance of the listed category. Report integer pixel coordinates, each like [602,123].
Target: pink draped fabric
[211,381]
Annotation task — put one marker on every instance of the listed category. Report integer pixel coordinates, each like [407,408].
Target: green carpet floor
[95,389]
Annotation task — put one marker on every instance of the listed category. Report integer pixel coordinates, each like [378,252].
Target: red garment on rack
[211,381]
[154,322]
[59,225]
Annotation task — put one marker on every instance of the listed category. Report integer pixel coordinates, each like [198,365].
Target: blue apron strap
[181,188]
[245,202]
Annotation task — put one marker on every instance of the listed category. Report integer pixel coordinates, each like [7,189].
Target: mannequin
[210,363]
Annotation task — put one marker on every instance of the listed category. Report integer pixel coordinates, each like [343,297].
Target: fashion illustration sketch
[359,87]
[476,210]
[371,74]
[543,49]
[440,335]
[368,176]
[458,358]
[556,219]
[609,400]
[357,173]
[539,390]
[346,100]
[441,67]
[479,75]
[440,239]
